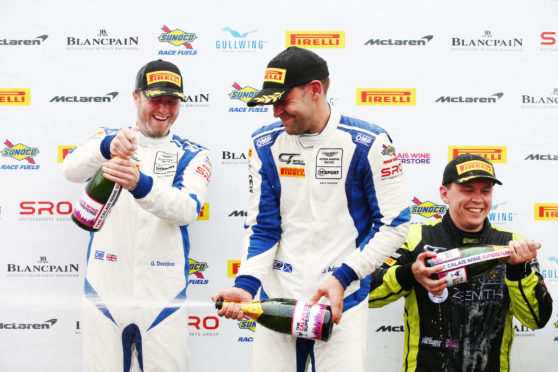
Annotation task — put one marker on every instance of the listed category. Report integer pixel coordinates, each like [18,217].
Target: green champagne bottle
[459,265]
[289,316]
[96,201]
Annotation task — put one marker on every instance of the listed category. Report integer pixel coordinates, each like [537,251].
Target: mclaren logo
[315,39]
[422,41]
[75,99]
[386,97]
[496,154]
[460,99]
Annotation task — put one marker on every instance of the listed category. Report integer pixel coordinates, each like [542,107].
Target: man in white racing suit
[327,204]
[137,264]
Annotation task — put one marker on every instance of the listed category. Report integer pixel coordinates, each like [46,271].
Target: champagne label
[474,259]
[450,255]
[454,277]
[308,320]
[92,213]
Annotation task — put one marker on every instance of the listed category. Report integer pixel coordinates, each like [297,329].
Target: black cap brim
[268,96]
[163,91]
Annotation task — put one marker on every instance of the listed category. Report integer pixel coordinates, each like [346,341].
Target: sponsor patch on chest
[329,163]
[165,163]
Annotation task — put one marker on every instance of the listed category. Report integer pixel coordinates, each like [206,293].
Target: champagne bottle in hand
[459,265]
[289,316]
[95,203]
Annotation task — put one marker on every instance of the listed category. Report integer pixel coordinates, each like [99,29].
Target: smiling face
[156,115]
[469,203]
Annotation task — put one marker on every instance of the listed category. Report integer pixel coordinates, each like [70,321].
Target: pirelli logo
[316,39]
[291,172]
[546,212]
[63,151]
[474,165]
[386,97]
[232,268]
[157,76]
[496,154]
[15,96]
[275,75]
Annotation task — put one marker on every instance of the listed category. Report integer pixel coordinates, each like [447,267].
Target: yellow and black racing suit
[468,327]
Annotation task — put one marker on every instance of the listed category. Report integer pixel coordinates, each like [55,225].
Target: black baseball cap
[467,167]
[292,67]
[160,78]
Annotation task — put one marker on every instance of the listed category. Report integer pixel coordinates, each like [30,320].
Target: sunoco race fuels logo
[428,209]
[245,94]
[315,39]
[179,39]
[20,152]
[197,269]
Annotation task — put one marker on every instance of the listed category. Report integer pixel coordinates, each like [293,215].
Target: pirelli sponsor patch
[291,172]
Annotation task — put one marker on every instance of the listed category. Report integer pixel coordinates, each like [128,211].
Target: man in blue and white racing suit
[137,264]
[327,204]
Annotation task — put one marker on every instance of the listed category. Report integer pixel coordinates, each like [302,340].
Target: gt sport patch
[165,163]
[329,163]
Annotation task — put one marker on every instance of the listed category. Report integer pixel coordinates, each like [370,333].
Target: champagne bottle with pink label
[459,265]
[95,203]
[289,316]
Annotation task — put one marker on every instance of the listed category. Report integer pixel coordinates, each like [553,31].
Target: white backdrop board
[443,77]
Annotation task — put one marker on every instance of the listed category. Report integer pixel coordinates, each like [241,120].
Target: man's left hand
[334,291]
[122,171]
[522,250]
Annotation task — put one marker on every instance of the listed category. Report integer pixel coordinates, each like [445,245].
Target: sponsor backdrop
[443,77]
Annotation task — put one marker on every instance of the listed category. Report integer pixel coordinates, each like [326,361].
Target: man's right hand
[124,143]
[422,274]
[233,294]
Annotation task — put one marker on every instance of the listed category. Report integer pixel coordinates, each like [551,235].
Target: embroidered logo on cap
[158,76]
[275,75]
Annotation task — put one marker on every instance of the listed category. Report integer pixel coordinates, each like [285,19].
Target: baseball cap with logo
[292,67]
[160,78]
[467,167]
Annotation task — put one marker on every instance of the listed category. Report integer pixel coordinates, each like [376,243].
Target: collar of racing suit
[462,238]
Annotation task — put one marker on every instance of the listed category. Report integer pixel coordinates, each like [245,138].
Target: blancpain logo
[83,99]
[42,268]
[37,41]
[418,42]
[486,42]
[540,101]
[460,99]
[45,325]
[102,41]
[196,100]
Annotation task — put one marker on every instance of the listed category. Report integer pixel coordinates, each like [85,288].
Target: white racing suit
[137,264]
[334,203]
